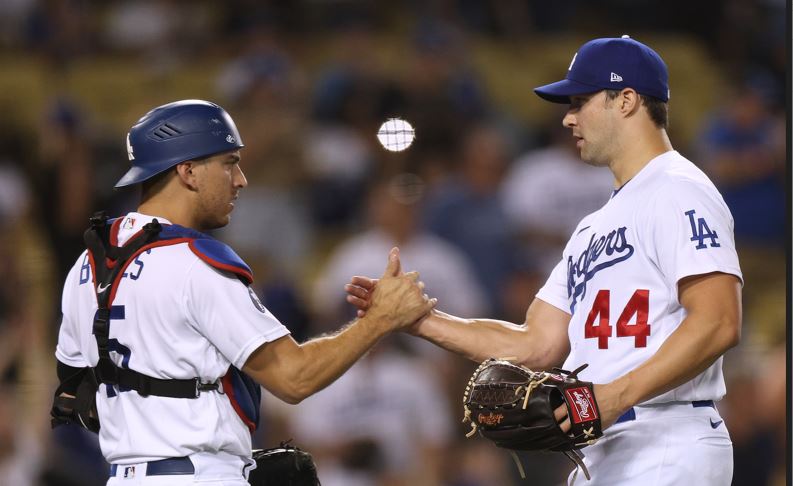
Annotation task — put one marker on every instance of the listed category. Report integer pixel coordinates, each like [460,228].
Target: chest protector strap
[108,262]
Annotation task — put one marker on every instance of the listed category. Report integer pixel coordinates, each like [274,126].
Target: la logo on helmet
[130,152]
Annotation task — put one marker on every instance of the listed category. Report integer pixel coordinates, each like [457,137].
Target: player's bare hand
[359,293]
[398,299]
[562,418]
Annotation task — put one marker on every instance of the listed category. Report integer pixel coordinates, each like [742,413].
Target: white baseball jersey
[619,272]
[173,317]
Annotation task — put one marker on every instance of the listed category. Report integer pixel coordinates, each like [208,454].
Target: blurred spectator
[62,30]
[351,98]
[753,443]
[743,151]
[393,207]
[20,450]
[272,229]
[13,307]
[467,211]
[752,33]
[164,32]
[25,313]
[444,93]
[374,426]
[64,180]
[141,24]
[478,463]
[261,73]
[548,191]
[13,15]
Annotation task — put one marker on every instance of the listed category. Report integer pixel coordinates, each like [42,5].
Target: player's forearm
[690,350]
[326,358]
[480,339]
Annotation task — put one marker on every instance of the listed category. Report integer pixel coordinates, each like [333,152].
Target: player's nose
[240,180]
[569,120]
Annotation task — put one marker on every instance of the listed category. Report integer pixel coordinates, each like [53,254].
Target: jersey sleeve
[228,313]
[67,351]
[691,232]
[554,291]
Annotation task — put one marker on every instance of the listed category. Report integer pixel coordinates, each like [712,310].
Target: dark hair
[656,108]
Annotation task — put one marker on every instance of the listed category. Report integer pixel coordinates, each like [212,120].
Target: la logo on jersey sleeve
[700,231]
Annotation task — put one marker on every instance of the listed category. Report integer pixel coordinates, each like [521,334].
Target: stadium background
[479,204]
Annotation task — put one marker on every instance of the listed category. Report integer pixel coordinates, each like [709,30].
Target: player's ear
[186,173]
[628,101]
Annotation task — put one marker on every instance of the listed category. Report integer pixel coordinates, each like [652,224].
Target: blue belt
[631,413]
[165,467]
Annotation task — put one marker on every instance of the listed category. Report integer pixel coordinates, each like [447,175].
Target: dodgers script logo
[601,253]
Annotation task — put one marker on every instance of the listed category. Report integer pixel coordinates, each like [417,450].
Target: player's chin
[217,222]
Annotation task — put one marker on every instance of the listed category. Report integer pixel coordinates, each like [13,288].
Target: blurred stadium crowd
[480,204]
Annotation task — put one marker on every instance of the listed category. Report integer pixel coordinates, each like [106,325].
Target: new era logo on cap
[611,63]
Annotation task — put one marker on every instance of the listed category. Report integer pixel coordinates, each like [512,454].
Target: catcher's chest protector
[108,263]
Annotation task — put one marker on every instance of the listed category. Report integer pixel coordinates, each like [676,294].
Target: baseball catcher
[514,407]
[284,465]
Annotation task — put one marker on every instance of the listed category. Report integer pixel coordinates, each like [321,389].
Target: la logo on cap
[572,62]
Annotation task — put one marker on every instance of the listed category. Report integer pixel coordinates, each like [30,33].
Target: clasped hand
[397,298]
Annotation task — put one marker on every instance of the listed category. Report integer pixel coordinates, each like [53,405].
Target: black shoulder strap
[109,261]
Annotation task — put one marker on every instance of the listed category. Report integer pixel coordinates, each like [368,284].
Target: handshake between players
[398,300]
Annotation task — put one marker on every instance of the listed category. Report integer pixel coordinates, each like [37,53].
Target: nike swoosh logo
[582,229]
[715,424]
[101,288]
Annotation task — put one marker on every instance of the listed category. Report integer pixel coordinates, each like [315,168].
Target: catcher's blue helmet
[176,132]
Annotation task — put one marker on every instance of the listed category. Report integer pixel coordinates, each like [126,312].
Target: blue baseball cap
[611,63]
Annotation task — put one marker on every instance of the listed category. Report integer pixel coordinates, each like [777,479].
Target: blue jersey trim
[210,250]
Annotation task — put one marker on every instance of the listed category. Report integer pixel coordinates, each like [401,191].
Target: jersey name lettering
[580,271]
[701,232]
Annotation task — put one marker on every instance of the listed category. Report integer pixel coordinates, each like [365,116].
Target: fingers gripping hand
[562,418]
[359,293]
[398,298]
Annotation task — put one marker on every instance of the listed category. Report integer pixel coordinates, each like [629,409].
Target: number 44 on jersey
[638,306]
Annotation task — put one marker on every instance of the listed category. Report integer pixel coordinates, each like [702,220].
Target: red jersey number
[597,322]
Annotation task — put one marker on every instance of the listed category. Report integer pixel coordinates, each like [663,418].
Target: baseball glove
[284,465]
[514,407]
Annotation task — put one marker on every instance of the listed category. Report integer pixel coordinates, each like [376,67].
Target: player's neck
[637,152]
[173,212]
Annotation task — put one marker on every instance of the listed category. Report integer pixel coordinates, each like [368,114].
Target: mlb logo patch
[582,404]
[129,472]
